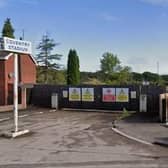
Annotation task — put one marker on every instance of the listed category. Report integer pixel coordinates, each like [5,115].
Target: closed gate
[143,103]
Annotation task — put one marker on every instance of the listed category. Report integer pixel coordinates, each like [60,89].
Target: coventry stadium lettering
[20,43]
[17,46]
[11,47]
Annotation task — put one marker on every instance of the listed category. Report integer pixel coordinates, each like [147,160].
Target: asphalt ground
[73,139]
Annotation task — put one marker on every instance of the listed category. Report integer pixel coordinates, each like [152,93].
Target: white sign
[74,94]
[88,94]
[65,93]
[122,95]
[17,46]
[133,94]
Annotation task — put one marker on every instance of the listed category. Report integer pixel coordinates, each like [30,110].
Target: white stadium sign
[17,46]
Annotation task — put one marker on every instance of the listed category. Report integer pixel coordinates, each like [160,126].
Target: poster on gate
[109,95]
[74,94]
[133,94]
[65,93]
[122,94]
[88,94]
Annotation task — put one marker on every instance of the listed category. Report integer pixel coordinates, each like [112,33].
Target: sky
[135,30]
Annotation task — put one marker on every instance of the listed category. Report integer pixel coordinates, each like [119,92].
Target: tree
[110,63]
[54,76]
[45,58]
[113,72]
[124,76]
[73,72]
[7,30]
[137,77]
[150,77]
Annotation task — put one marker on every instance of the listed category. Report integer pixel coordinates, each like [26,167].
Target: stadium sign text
[17,46]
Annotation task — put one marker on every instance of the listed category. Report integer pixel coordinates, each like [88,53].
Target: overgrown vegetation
[125,114]
[54,76]
[124,76]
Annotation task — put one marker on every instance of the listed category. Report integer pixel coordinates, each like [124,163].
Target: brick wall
[2,83]
[27,69]
[26,72]
[9,70]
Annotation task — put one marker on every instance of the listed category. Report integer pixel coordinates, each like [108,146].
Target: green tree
[8,30]
[45,58]
[54,76]
[125,76]
[137,77]
[113,72]
[150,77]
[73,72]
[164,79]
[110,63]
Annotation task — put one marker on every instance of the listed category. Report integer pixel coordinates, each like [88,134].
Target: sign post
[15,46]
[15,97]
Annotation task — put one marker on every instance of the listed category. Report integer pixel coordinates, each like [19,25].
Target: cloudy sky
[135,30]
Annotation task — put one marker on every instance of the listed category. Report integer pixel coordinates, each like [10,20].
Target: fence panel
[97,97]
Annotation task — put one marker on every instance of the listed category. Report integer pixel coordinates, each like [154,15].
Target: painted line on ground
[37,113]
[132,138]
[22,116]
[4,119]
[52,111]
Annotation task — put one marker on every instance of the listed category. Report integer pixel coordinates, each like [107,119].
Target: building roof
[4,55]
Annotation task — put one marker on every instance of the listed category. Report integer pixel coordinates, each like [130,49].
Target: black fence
[41,96]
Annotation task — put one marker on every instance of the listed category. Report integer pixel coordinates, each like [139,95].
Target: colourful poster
[88,94]
[74,94]
[109,95]
[122,95]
